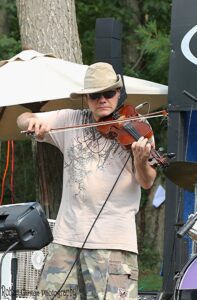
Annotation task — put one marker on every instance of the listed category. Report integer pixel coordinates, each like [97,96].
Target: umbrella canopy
[41,82]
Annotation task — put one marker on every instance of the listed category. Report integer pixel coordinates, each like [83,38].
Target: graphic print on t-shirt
[91,152]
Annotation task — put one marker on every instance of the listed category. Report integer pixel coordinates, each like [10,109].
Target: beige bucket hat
[99,77]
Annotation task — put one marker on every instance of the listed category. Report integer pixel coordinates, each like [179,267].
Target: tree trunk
[150,226]
[49,26]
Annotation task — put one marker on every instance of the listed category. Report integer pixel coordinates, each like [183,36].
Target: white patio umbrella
[40,82]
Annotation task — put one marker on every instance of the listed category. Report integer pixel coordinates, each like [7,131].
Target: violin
[128,132]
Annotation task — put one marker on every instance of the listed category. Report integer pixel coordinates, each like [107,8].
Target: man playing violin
[94,253]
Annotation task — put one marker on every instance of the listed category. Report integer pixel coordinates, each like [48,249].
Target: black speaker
[108,42]
[108,47]
[26,224]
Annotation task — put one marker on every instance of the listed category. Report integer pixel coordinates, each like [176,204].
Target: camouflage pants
[97,274]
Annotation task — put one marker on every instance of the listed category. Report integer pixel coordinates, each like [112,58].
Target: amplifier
[26,224]
[149,296]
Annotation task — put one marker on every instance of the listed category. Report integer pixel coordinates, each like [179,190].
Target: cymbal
[183,174]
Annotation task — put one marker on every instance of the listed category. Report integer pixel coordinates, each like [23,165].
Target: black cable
[1,261]
[80,250]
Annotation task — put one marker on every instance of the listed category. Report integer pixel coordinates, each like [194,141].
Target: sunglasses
[106,95]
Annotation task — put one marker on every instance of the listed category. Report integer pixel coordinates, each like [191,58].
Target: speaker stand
[1,263]
[14,268]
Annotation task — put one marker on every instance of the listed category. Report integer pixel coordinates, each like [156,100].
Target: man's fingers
[31,126]
[141,149]
[39,128]
[140,144]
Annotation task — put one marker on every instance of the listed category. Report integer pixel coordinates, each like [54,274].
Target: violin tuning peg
[161,150]
[168,155]
[171,155]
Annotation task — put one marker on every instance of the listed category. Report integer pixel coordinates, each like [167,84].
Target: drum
[186,285]
[193,232]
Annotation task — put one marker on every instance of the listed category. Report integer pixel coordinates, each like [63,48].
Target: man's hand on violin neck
[141,150]
[144,173]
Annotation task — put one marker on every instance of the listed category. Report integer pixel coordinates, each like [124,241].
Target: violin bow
[161,113]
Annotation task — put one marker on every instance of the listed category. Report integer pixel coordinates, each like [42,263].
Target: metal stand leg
[194,244]
[14,267]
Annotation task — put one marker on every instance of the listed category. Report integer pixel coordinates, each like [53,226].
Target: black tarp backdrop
[183,56]
[182,134]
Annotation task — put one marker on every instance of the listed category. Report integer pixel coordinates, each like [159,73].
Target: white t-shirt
[91,167]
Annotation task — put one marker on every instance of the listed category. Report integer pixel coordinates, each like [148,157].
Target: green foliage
[11,18]
[148,258]
[156,48]
[150,267]
[159,11]
[150,281]
[8,47]
[153,40]
[144,197]
[10,43]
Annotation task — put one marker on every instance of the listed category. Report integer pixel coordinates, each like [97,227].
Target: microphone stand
[192,97]
[187,226]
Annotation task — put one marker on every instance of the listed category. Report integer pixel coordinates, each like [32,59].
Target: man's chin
[104,113]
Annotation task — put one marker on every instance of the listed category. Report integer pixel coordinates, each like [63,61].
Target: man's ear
[119,93]
[119,90]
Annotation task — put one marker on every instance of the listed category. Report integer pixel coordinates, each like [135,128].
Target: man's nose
[102,99]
